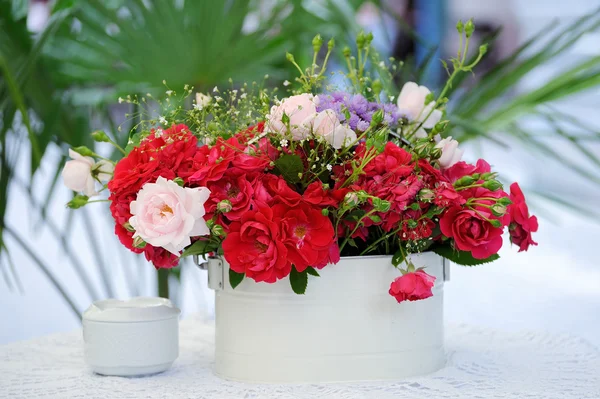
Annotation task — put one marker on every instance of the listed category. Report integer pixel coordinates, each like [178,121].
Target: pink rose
[299,109]
[166,215]
[471,232]
[412,286]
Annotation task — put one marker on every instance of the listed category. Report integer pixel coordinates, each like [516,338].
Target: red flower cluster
[412,286]
[165,153]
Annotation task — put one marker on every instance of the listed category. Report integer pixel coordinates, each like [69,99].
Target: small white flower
[243,96]
[169,92]
[120,100]
[198,107]
[162,120]
[158,133]
[215,90]
[203,100]
[382,64]
[329,167]
[286,83]
[283,143]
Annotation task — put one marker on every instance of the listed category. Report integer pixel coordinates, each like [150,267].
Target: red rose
[412,286]
[211,162]
[160,257]
[254,246]
[308,234]
[268,186]
[462,168]
[471,232]
[236,189]
[126,238]
[446,196]
[393,160]
[246,135]
[521,224]
[315,194]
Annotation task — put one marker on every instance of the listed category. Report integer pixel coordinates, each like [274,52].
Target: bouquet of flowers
[283,187]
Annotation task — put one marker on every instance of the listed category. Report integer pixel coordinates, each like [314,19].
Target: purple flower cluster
[360,109]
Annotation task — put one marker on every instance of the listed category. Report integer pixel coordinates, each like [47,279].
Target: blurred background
[532,109]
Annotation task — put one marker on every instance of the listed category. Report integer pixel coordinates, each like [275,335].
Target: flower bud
[179,181]
[289,57]
[381,205]
[436,153]
[411,223]
[347,52]
[492,185]
[330,44]
[487,175]
[83,150]
[377,86]
[317,42]
[138,242]
[469,28]
[460,27]
[325,212]
[224,206]
[505,201]
[128,227]
[464,181]
[415,206]
[377,118]
[495,223]
[351,199]
[217,230]
[483,49]
[78,201]
[360,40]
[440,126]
[100,137]
[426,195]
[498,209]
[375,218]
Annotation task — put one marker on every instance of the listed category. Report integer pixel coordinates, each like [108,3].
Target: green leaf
[355,215]
[312,271]
[235,278]
[298,281]
[199,247]
[290,166]
[461,257]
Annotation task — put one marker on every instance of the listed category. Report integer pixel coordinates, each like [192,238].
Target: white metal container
[345,328]
[130,338]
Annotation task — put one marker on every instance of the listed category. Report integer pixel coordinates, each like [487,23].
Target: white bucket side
[345,328]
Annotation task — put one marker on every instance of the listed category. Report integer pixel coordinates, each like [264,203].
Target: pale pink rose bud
[451,154]
[224,206]
[411,102]
[166,215]
[77,174]
[351,199]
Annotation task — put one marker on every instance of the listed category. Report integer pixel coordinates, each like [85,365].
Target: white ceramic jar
[345,328]
[131,338]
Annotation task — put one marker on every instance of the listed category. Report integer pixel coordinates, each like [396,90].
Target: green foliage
[299,280]
[200,247]
[290,166]
[235,278]
[461,257]
[312,271]
[399,257]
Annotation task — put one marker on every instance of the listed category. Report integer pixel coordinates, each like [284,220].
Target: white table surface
[482,363]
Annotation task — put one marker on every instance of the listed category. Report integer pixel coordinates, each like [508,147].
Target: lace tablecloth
[482,363]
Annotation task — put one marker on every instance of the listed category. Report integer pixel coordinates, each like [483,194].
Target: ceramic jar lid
[138,309]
